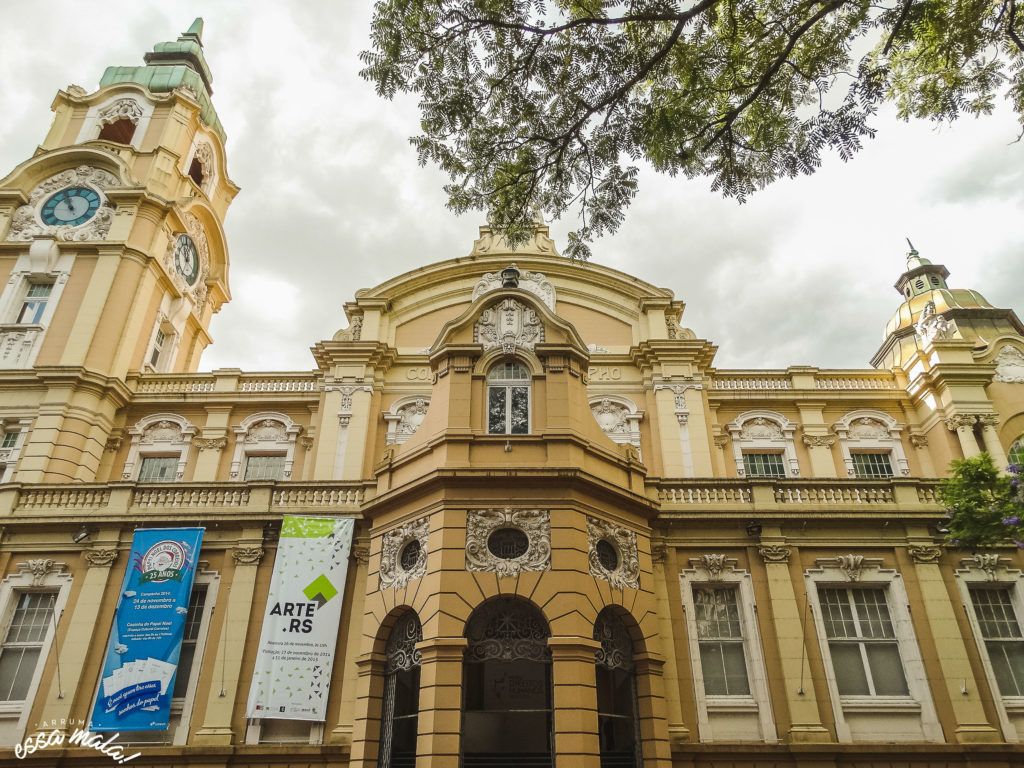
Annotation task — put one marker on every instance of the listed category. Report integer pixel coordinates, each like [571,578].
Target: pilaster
[575,702]
[440,718]
[343,731]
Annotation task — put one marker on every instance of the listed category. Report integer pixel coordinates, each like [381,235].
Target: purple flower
[1020,544]
[1012,520]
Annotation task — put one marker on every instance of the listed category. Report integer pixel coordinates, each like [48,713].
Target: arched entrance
[618,727]
[401,703]
[507,694]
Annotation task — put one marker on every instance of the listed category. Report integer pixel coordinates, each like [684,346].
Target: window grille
[872,465]
[763,465]
[19,655]
[1003,639]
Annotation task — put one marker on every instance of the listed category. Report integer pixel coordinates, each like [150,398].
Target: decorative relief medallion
[868,428]
[775,553]
[195,231]
[247,555]
[122,109]
[26,224]
[531,282]
[611,417]
[482,523]
[403,555]
[507,629]
[819,441]
[1009,366]
[924,553]
[210,443]
[760,429]
[508,324]
[622,571]
[401,651]
[713,565]
[100,558]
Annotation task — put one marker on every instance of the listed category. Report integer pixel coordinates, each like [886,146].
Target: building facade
[577,541]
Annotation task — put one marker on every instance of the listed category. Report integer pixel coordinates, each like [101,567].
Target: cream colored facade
[785,497]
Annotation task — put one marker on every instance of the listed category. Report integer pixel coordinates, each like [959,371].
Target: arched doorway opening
[617,723]
[401,702]
[507,718]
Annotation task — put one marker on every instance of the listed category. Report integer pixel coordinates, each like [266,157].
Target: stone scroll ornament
[534,523]
[26,224]
[508,324]
[393,573]
[626,574]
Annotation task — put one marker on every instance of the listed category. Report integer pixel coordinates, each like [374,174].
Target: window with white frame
[31,602]
[29,300]
[873,666]
[264,447]
[186,679]
[508,399]
[871,444]
[34,304]
[993,595]
[15,432]
[163,344]
[766,438]
[1016,453]
[729,670]
[159,448]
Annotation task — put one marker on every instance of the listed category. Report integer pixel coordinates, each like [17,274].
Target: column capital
[435,649]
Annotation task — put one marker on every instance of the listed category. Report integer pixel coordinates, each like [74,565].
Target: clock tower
[112,250]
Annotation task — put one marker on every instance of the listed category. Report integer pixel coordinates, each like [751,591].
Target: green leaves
[553,104]
[984,507]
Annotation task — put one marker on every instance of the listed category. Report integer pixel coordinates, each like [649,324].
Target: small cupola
[921,276]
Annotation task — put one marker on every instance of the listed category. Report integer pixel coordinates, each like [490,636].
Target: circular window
[606,555]
[508,543]
[410,555]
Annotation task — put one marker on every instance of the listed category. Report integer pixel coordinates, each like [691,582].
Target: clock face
[186,259]
[70,207]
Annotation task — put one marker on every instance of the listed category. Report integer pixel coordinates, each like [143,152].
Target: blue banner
[142,657]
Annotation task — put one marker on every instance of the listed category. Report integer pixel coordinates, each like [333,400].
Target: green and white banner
[300,625]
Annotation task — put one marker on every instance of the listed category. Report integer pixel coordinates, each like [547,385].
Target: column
[225,681]
[342,733]
[440,719]
[575,702]
[79,637]
[972,726]
[650,696]
[989,435]
[963,425]
[804,718]
[677,730]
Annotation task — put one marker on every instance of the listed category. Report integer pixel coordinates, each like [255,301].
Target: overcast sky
[333,200]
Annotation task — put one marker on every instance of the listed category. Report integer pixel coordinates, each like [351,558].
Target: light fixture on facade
[510,277]
[81,535]
[753,528]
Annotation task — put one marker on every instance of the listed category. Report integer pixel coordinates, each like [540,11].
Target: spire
[914,259]
[171,65]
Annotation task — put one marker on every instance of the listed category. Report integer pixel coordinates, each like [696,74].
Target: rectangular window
[720,638]
[1003,639]
[33,617]
[193,623]
[35,303]
[10,439]
[763,465]
[158,345]
[158,469]
[872,465]
[264,467]
[862,642]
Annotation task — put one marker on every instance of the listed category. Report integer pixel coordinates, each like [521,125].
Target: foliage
[984,507]
[554,102]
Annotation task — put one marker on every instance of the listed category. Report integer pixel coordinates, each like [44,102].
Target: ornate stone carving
[868,428]
[113,444]
[535,523]
[775,553]
[39,568]
[204,154]
[989,419]
[931,326]
[626,574]
[306,442]
[267,430]
[353,332]
[851,565]
[721,441]
[508,324]
[924,553]
[819,441]
[122,109]
[100,558]
[659,554]
[361,554]
[76,90]
[616,651]
[507,629]
[761,429]
[988,563]
[531,282]
[960,421]
[393,574]
[195,230]
[401,649]
[1009,366]
[596,349]
[247,555]
[161,431]
[406,420]
[713,564]
[210,443]
[25,225]
[610,417]
[919,441]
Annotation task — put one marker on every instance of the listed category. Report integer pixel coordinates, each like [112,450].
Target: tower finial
[196,30]
[913,250]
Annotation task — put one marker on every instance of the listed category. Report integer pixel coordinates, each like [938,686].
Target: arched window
[508,399]
[507,694]
[617,726]
[401,704]
[1016,453]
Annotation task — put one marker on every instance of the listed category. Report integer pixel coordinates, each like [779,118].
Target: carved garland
[26,225]
[535,523]
[122,109]
[627,573]
[392,574]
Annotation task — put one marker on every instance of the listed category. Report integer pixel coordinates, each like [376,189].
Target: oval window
[606,555]
[508,543]
[410,555]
